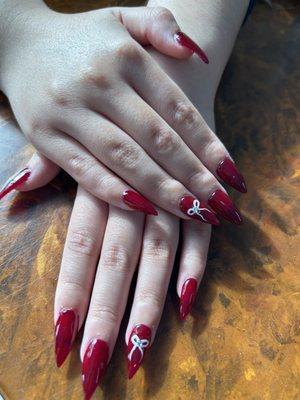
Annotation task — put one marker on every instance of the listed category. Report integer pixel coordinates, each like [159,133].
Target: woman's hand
[93,101]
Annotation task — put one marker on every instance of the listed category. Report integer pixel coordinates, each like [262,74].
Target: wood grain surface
[242,339]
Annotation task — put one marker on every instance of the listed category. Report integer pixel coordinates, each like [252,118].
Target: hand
[71,80]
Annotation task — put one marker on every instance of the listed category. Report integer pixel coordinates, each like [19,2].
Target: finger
[125,157]
[158,27]
[91,174]
[193,257]
[119,256]
[38,172]
[166,147]
[155,267]
[80,256]
[164,96]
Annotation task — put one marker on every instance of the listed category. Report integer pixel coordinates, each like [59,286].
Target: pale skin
[96,227]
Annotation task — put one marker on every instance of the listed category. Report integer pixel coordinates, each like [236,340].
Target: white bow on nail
[138,344]
[196,209]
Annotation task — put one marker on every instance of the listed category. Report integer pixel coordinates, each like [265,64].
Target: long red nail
[187,297]
[138,202]
[66,328]
[220,202]
[229,173]
[139,341]
[197,209]
[185,41]
[94,366]
[18,179]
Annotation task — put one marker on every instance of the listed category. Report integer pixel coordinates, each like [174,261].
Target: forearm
[214,25]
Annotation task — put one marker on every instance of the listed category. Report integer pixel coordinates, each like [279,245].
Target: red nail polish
[220,202]
[197,209]
[187,297]
[139,341]
[185,41]
[66,328]
[229,173]
[138,202]
[18,179]
[94,365]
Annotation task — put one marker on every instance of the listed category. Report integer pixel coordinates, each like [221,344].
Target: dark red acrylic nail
[197,209]
[94,365]
[229,173]
[187,297]
[18,179]
[138,202]
[220,202]
[139,341]
[66,328]
[185,41]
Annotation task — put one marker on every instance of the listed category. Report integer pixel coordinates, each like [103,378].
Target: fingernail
[187,297]
[18,179]
[197,209]
[66,328]
[185,41]
[220,202]
[229,173]
[94,366]
[138,202]
[139,341]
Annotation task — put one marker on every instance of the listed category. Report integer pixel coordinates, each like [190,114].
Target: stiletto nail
[18,179]
[139,342]
[187,297]
[138,202]
[229,173]
[185,41]
[197,209]
[220,202]
[66,328]
[94,366]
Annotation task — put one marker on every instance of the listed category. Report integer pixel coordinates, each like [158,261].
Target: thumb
[38,172]
[158,27]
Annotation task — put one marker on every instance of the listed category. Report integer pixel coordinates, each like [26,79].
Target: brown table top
[242,339]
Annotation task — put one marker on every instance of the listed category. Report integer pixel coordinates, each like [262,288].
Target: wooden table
[242,339]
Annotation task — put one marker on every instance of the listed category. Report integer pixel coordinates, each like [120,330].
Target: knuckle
[79,166]
[205,180]
[94,76]
[164,140]
[60,93]
[116,258]
[159,248]
[185,115]
[81,241]
[171,188]
[150,297]
[101,312]
[69,287]
[162,13]
[124,154]
[129,52]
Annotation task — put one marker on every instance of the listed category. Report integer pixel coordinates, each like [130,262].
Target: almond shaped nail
[66,328]
[220,202]
[15,181]
[138,202]
[197,209]
[187,297]
[229,173]
[139,341]
[185,41]
[94,365]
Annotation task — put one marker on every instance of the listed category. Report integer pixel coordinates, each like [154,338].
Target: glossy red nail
[94,366]
[138,202]
[18,179]
[139,341]
[66,328]
[229,173]
[185,41]
[220,202]
[187,297]
[197,209]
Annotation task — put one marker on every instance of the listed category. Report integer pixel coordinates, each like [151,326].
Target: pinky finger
[195,246]
[38,172]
